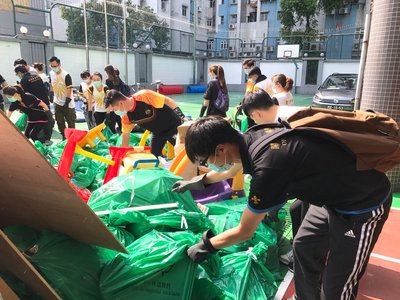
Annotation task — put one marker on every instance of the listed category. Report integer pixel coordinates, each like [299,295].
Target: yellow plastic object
[181,166]
[91,135]
[177,160]
[238,182]
[171,151]
[144,138]
[132,157]
[79,150]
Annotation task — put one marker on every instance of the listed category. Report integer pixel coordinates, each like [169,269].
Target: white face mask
[246,71]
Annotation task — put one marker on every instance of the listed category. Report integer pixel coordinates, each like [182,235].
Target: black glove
[90,115]
[202,110]
[195,184]
[51,97]
[107,121]
[180,114]
[67,101]
[199,252]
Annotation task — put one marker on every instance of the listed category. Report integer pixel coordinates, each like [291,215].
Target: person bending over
[154,112]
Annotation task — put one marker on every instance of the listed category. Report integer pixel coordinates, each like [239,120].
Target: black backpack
[222,101]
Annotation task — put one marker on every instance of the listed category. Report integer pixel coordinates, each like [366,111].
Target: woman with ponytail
[217,83]
[281,87]
[31,106]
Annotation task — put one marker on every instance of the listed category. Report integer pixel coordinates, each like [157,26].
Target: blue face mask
[86,80]
[252,81]
[120,113]
[55,70]
[223,168]
[11,99]
[246,71]
[97,84]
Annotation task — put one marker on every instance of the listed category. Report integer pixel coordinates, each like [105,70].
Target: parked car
[337,92]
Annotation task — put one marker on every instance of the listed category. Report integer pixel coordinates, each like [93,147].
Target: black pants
[48,128]
[99,117]
[63,114]
[158,141]
[298,211]
[331,251]
[32,130]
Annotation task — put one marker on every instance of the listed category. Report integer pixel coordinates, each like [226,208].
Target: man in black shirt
[347,212]
[34,85]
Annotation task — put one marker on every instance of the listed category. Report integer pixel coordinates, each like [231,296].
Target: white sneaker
[287,258]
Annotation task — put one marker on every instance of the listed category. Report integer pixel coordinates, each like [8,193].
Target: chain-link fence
[116,24]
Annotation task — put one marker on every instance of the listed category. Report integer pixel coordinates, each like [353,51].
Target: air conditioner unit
[344,11]
[356,47]
[270,49]
[232,54]
[332,12]
[211,54]
[258,54]
[199,10]
[249,54]
[219,54]
[232,26]
[258,48]
[233,1]
[244,54]
[231,48]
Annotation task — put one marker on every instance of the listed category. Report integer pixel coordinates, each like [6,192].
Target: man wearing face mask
[64,104]
[154,112]
[32,84]
[260,81]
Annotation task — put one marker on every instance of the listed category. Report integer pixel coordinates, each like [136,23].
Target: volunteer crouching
[150,110]
[347,212]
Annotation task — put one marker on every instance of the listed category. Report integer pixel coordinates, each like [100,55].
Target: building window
[252,17]
[222,2]
[279,15]
[164,4]
[233,19]
[184,10]
[264,16]
[209,22]
[210,44]
[224,45]
[212,3]
[222,19]
[199,20]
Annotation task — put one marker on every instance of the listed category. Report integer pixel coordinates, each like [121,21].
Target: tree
[141,24]
[298,18]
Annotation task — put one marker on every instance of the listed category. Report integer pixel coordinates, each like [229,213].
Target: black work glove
[180,114]
[202,110]
[107,121]
[199,252]
[51,97]
[67,101]
[90,115]
[194,184]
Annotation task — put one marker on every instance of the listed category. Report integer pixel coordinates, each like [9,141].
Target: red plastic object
[83,193]
[117,154]
[73,136]
[171,89]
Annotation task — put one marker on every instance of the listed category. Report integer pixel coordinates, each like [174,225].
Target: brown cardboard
[182,129]
[32,193]
[12,261]
[6,292]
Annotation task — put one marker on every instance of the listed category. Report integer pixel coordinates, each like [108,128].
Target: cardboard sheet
[32,193]
[12,261]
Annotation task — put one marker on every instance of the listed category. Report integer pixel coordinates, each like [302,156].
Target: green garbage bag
[172,221]
[72,268]
[232,219]
[40,147]
[21,122]
[139,188]
[23,237]
[243,275]
[149,255]
[204,288]
[107,132]
[222,207]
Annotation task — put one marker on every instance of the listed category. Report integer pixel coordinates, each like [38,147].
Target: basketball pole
[295,74]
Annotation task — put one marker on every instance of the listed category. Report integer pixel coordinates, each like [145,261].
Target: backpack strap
[272,132]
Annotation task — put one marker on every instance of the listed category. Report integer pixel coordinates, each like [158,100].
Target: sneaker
[287,258]
[48,143]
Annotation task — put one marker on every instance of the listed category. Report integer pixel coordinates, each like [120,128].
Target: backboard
[288,51]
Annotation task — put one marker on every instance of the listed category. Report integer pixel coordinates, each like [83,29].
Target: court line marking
[387,258]
[283,287]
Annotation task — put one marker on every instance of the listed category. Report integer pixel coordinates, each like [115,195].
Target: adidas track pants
[331,251]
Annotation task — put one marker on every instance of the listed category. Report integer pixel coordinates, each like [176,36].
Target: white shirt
[265,85]
[60,88]
[284,98]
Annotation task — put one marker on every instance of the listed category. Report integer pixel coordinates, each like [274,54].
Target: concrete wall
[330,67]
[9,51]
[172,70]
[73,60]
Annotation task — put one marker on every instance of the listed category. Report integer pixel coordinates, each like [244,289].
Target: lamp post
[86,36]
[194,39]
[125,42]
[106,29]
